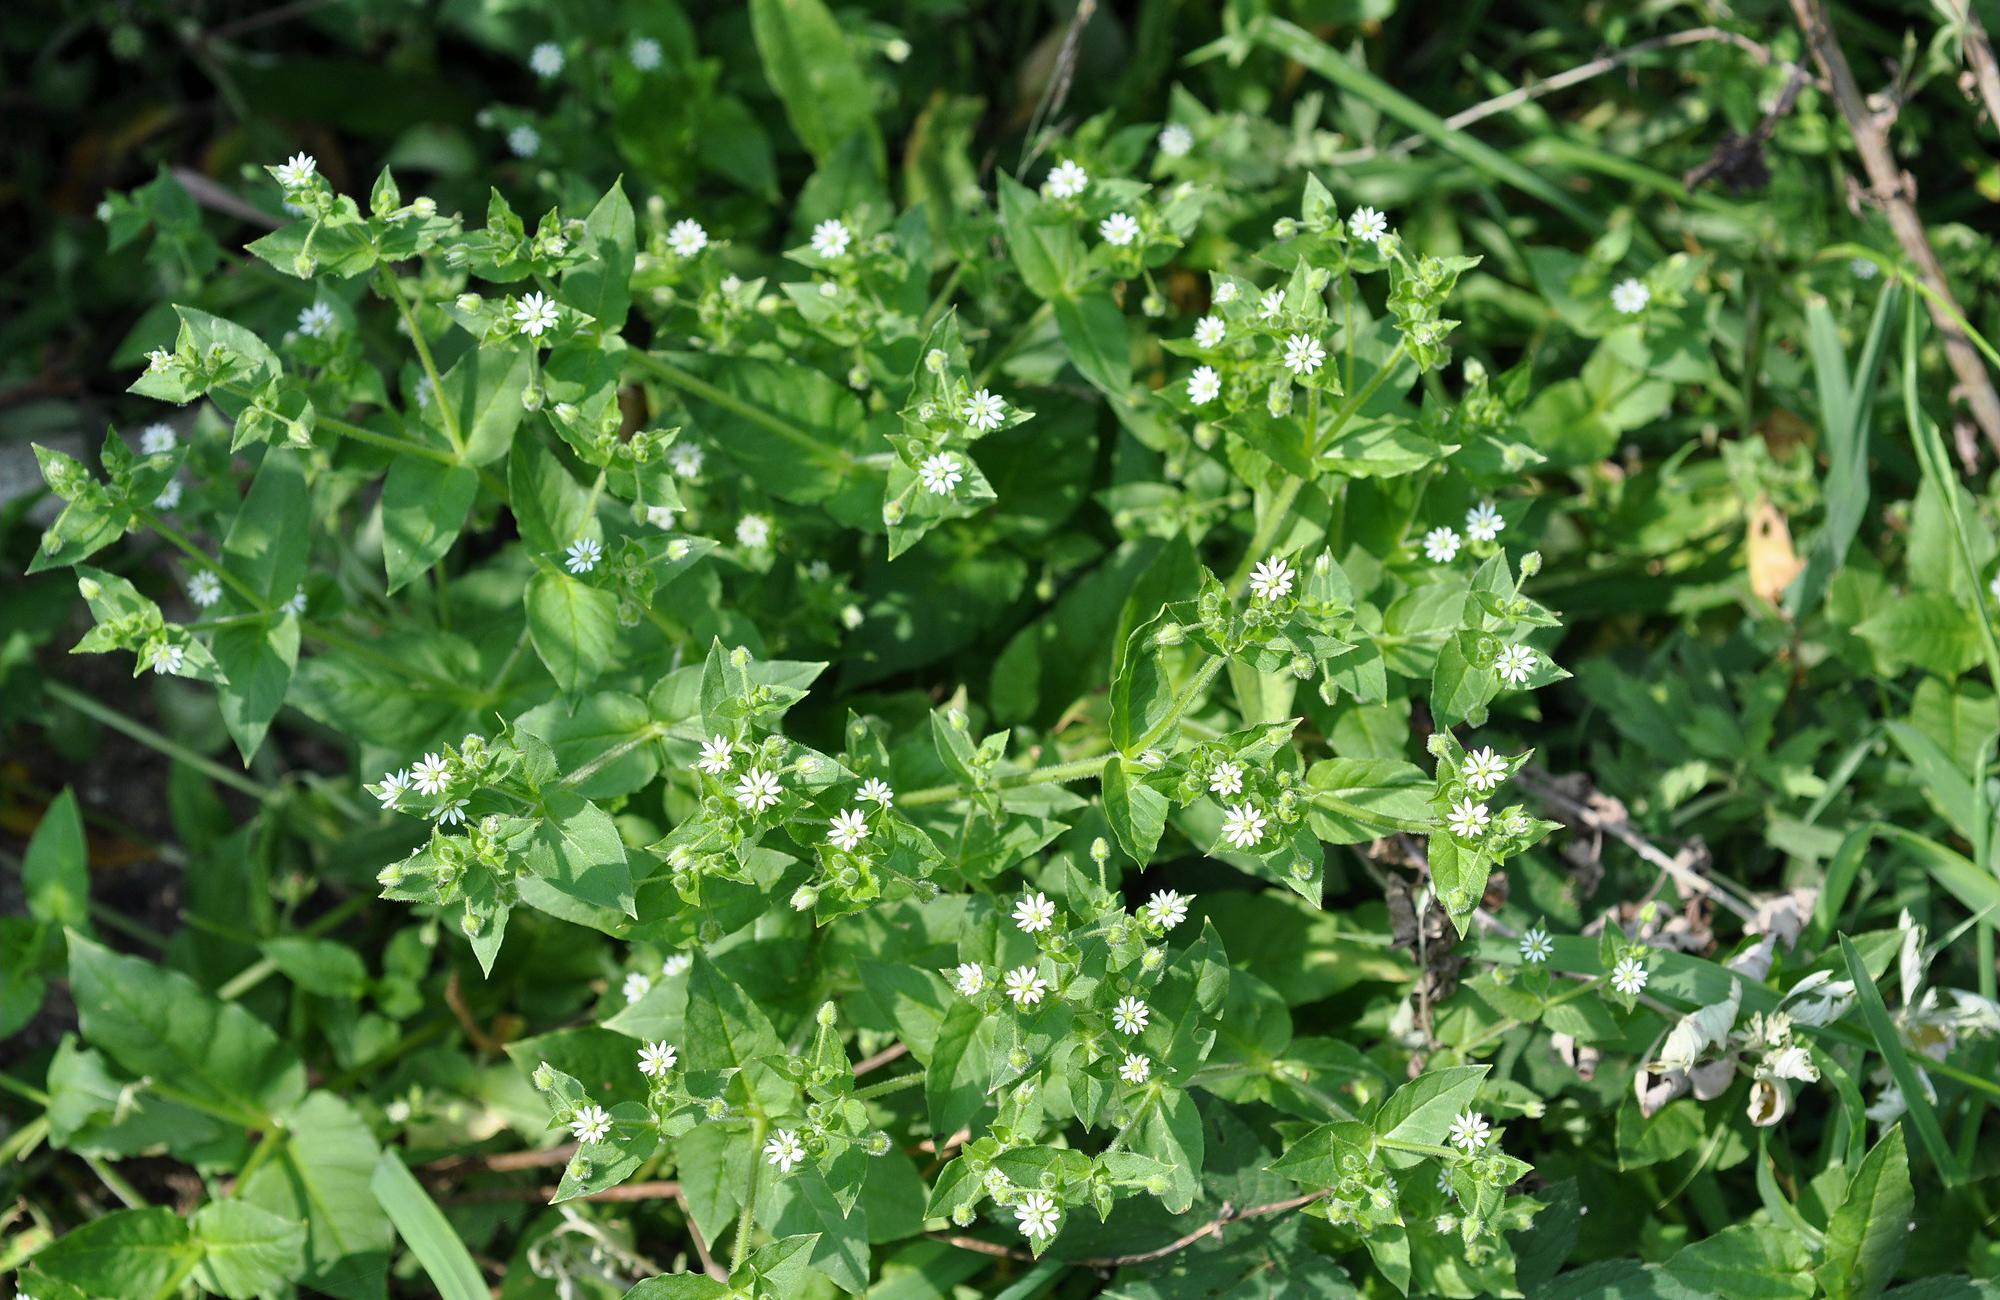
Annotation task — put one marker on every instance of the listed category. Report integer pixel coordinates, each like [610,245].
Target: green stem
[888,1086]
[438,395]
[258,971]
[114,1180]
[267,1147]
[152,739]
[243,590]
[740,1246]
[648,734]
[26,1091]
[1182,702]
[1074,769]
[707,392]
[1267,528]
[1418,1148]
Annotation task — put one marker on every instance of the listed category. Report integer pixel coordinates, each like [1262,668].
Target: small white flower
[1243,826]
[1483,769]
[296,171]
[1467,819]
[1175,140]
[157,360]
[546,59]
[1119,229]
[1862,268]
[971,979]
[685,458]
[661,517]
[1629,976]
[1483,523]
[582,555]
[449,813]
[1470,1132]
[984,411]
[1204,385]
[297,603]
[537,314]
[316,321]
[851,616]
[1630,297]
[1037,1215]
[204,589]
[1167,908]
[1226,779]
[1225,293]
[644,52]
[170,496]
[758,789]
[1303,354]
[1441,545]
[591,1124]
[431,774]
[1515,664]
[830,239]
[636,986]
[1367,225]
[848,829]
[1135,1069]
[655,1059]
[676,965]
[1536,946]
[393,786]
[687,237]
[784,1150]
[1209,331]
[156,438]
[753,531]
[167,663]
[1271,304]
[874,790]
[1993,587]
[524,141]
[940,473]
[1130,1015]
[1271,579]
[714,758]
[1025,986]
[1034,913]
[1066,180]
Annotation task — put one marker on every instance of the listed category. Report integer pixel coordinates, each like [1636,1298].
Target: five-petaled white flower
[1204,385]
[687,237]
[1483,523]
[1167,908]
[393,785]
[644,52]
[1271,304]
[537,314]
[591,1124]
[546,59]
[1483,769]
[984,411]
[1034,913]
[1367,225]
[1630,297]
[876,790]
[1037,1215]
[168,662]
[1271,579]
[431,774]
[1243,826]
[1225,779]
[753,531]
[1118,229]
[582,555]
[170,496]
[1536,946]
[830,238]
[1441,545]
[784,1150]
[685,459]
[204,589]
[1130,1015]
[1467,818]
[1515,664]
[758,789]
[714,758]
[1470,1132]
[1303,354]
[971,979]
[449,813]
[847,829]
[655,1059]
[940,473]
[296,171]
[524,141]
[1175,140]
[1025,986]
[1066,180]
[1135,1069]
[1629,976]
[1209,331]
[636,986]
[156,438]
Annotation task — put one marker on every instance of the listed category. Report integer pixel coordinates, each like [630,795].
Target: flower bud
[531,398]
[803,898]
[828,1016]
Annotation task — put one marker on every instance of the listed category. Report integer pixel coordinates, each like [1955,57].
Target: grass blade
[426,1231]
[1887,1041]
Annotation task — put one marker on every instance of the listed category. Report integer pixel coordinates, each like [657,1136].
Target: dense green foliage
[919,650]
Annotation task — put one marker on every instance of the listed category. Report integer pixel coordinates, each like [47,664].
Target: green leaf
[55,871]
[1093,329]
[680,1286]
[827,98]
[321,1174]
[1746,1262]
[1890,1043]
[484,388]
[1137,812]
[726,1029]
[1044,244]
[142,1253]
[574,627]
[1421,1111]
[801,1204]
[576,848]
[426,1231]
[258,660]
[424,504]
[247,1251]
[319,966]
[789,429]
[1316,1159]
[602,285]
[1170,1132]
[956,1080]
[1866,1236]
[266,545]
[1355,800]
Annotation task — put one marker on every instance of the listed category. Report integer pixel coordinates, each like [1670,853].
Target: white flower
[1862,268]
[1271,579]
[1025,986]
[753,531]
[1119,228]
[1136,1068]
[851,616]
[524,141]
[1066,180]
[714,758]
[655,1059]
[875,790]
[1628,976]
[830,239]
[1037,1215]
[1209,331]
[1271,304]
[1303,354]
[297,603]
[157,360]
[431,774]
[591,1124]
[685,458]
[758,789]
[1243,826]
[582,555]
[1993,587]
[1130,1015]
[984,411]
[1483,523]
[204,589]
[1630,297]
[1470,1132]
[1467,818]
[687,237]
[393,786]
[1167,908]
[1204,385]
[1515,664]
[167,663]
[1440,545]
[848,828]
[784,1150]
[449,813]
[677,964]
[296,171]
[1175,140]
[1226,779]
[546,59]
[156,438]
[636,986]
[1034,913]
[644,52]
[537,315]
[1367,225]
[316,321]
[1483,769]
[170,496]
[971,979]
[940,473]
[1536,946]
[661,517]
